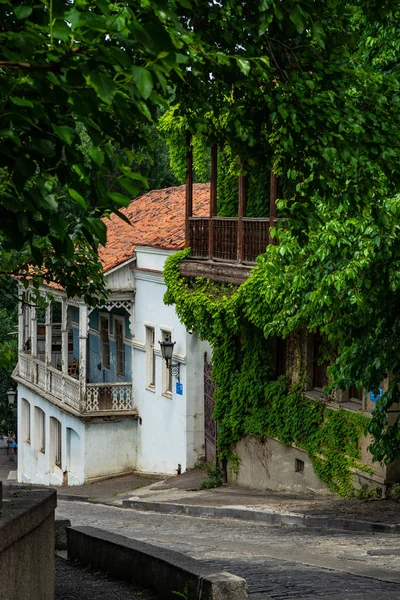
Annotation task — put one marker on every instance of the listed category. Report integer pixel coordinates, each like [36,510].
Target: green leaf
[243,65]
[97,228]
[143,80]
[45,147]
[96,155]
[296,16]
[283,111]
[129,186]
[103,85]
[78,198]
[21,101]
[23,11]
[65,133]
[120,198]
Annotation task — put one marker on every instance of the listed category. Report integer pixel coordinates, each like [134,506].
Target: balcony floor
[227,272]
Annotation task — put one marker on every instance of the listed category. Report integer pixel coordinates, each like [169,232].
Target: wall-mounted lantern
[11,394]
[167,349]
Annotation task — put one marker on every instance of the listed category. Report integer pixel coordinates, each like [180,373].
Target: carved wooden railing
[225,246]
[255,238]
[108,396]
[225,237]
[199,235]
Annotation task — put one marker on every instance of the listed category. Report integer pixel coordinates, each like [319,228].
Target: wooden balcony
[229,252]
[225,248]
[88,400]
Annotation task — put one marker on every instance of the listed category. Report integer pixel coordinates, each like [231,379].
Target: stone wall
[27,543]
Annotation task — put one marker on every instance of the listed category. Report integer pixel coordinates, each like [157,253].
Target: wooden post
[48,344]
[83,334]
[213,198]
[241,214]
[189,189]
[64,336]
[273,195]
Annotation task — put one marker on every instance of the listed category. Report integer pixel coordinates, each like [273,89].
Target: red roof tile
[157,220]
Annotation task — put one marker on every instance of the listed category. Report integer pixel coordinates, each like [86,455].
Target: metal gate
[210,426]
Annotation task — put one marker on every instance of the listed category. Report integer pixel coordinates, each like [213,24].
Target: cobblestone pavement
[278,562]
[76,583]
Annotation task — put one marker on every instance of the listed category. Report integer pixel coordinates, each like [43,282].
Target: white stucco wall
[35,466]
[110,448]
[170,430]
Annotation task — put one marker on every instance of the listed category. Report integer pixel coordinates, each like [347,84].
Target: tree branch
[56,66]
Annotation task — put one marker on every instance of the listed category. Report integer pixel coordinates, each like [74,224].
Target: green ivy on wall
[248,399]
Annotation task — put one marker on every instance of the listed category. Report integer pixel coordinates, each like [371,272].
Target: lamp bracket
[175,370]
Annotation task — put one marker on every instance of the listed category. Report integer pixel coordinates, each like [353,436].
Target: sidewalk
[182,495]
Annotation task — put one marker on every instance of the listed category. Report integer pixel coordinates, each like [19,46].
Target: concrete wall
[110,447]
[88,450]
[271,465]
[27,544]
[35,466]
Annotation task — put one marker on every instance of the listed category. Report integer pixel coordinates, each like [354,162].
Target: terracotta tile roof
[157,219]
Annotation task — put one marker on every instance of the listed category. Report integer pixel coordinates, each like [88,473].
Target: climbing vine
[249,399]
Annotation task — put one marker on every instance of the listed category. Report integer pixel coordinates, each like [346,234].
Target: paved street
[278,562]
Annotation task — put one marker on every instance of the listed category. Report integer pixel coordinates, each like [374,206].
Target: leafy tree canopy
[316,97]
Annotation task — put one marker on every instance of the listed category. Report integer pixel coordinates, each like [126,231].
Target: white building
[95,398]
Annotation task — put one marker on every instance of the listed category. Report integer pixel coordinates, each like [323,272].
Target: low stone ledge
[60,529]
[27,543]
[24,509]
[160,569]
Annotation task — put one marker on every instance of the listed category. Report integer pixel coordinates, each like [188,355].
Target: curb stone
[261,516]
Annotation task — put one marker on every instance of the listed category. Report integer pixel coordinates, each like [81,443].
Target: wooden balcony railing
[226,231]
[107,397]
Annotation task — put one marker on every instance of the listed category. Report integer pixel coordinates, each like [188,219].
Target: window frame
[150,332]
[119,352]
[105,343]
[166,335]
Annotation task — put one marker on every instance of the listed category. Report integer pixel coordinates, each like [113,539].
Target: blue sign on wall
[374,397]
[179,388]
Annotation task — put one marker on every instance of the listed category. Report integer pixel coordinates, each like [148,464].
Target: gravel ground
[74,582]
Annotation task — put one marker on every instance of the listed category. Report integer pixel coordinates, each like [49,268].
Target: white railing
[55,385]
[108,396]
[25,366]
[71,392]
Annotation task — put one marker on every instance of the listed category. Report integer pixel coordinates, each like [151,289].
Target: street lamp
[11,393]
[167,349]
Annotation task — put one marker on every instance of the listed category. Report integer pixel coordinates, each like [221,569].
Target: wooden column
[241,214]
[83,334]
[48,344]
[213,198]
[33,332]
[189,189]
[273,195]
[20,321]
[64,336]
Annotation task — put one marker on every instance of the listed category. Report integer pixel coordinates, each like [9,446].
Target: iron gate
[210,426]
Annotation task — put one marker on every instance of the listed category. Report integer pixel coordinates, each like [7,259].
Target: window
[319,376]
[26,421]
[40,431]
[55,441]
[150,357]
[166,373]
[278,356]
[119,345]
[105,341]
